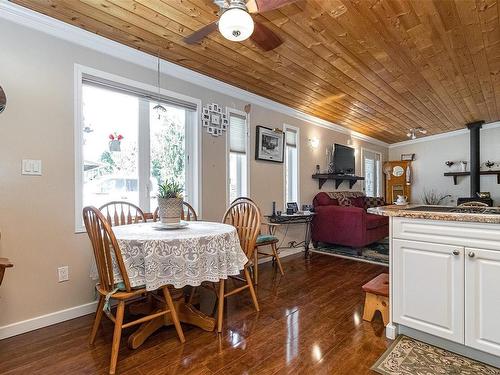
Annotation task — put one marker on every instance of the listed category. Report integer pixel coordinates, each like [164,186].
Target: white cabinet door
[428,286]
[482,300]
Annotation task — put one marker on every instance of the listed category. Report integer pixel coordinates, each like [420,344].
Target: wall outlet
[63,273]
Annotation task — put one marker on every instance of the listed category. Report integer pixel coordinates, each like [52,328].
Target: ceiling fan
[236,24]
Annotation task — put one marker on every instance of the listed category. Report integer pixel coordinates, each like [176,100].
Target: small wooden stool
[377,298]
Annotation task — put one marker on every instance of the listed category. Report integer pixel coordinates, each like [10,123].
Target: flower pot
[170,210]
[114,145]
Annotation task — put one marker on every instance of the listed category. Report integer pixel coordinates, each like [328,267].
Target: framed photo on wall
[269,145]
[407,157]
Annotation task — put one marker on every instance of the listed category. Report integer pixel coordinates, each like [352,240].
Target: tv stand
[338,178]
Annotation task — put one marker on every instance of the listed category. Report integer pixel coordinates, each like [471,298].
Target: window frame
[380,186]
[193,140]
[229,111]
[285,164]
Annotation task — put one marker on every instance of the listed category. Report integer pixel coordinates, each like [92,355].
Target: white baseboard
[38,322]
[42,321]
[391,331]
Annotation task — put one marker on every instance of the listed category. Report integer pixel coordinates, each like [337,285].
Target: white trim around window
[285,166]
[228,151]
[380,180]
[193,140]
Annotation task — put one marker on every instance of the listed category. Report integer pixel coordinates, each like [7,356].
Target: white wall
[37,213]
[428,168]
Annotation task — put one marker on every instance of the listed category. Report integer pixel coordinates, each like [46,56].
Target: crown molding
[40,22]
[455,133]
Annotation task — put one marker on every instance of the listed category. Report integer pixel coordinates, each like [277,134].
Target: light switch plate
[31,167]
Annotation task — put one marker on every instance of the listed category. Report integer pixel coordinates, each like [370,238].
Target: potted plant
[115,142]
[170,202]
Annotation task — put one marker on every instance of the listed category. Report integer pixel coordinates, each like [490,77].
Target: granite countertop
[402,211]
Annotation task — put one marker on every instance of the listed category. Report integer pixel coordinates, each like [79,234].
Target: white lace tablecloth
[203,251]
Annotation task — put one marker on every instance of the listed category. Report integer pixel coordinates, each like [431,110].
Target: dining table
[155,256]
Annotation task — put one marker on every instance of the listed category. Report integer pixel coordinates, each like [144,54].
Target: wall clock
[3,100]
[214,119]
[398,171]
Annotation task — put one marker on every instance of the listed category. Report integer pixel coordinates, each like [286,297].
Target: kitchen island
[445,277]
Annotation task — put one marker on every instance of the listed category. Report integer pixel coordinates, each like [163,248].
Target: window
[372,171]
[238,155]
[291,164]
[125,148]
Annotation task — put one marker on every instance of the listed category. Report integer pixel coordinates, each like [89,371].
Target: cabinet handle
[471,254]
[456,252]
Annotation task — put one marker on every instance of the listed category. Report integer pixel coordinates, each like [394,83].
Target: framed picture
[408,157]
[269,145]
[292,206]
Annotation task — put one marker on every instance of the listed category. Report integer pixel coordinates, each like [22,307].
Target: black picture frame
[407,157]
[292,206]
[269,145]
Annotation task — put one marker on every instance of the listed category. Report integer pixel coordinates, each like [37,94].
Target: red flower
[120,137]
[112,137]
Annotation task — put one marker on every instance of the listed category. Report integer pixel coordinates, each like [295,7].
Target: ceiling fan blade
[265,38]
[260,6]
[201,33]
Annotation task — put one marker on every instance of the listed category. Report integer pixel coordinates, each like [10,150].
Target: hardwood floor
[309,323]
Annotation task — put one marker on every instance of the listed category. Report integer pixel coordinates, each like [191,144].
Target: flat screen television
[343,159]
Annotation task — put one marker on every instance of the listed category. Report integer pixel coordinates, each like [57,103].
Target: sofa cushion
[374,202]
[323,199]
[344,198]
[358,202]
[375,221]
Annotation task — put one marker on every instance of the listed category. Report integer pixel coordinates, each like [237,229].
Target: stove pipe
[475,182]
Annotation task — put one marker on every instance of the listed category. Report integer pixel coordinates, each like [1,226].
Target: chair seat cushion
[265,238]
[121,286]
[375,221]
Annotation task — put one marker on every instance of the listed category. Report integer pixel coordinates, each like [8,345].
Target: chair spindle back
[122,213]
[106,249]
[245,216]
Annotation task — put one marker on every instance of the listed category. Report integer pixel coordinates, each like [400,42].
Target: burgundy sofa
[341,219]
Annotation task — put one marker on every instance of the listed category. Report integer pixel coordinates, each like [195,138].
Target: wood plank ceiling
[378,67]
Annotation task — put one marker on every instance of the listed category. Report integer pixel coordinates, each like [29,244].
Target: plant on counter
[432,197]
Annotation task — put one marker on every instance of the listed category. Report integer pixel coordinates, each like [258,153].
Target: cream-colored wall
[428,168]
[37,213]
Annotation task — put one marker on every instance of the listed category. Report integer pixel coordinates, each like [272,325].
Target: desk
[304,218]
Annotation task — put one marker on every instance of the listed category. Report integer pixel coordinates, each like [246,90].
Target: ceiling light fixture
[158,108]
[412,133]
[235,23]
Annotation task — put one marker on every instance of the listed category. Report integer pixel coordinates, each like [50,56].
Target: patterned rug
[377,252]
[407,356]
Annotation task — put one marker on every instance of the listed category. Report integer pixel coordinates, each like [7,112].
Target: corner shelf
[323,177]
[455,175]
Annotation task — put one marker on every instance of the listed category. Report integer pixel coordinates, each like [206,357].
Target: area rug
[377,252]
[407,356]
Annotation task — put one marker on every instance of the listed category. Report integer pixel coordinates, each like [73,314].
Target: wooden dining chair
[188,213]
[4,263]
[122,213]
[105,249]
[263,240]
[245,217]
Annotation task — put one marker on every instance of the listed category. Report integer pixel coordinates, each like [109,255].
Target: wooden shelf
[338,178]
[455,175]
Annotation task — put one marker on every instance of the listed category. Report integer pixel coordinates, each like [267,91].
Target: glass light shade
[159,110]
[236,25]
